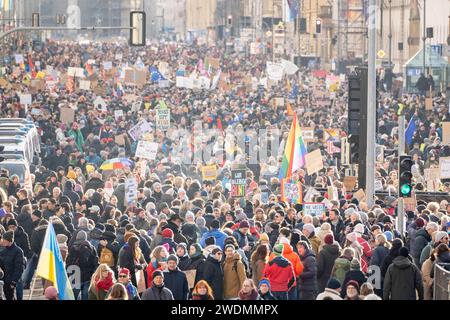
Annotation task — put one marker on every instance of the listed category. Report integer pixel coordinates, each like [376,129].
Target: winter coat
[126,259]
[233,276]
[197,263]
[426,252]
[257,270]
[24,220]
[68,192]
[157,293]
[378,255]
[12,262]
[281,274]
[427,279]
[74,236]
[191,232]
[421,241]
[356,275]
[171,243]
[402,280]
[325,262]
[37,239]
[21,239]
[83,255]
[141,224]
[340,268]
[308,278]
[412,230]
[132,292]
[315,243]
[177,283]
[183,262]
[218,235]
[241,239]
[367,253]
[177,236]
[293,258]
[329,293]
[337,229]
[213,274]
[114,247]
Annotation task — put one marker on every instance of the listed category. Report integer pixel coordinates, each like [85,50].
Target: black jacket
[325,263]
[183,262]
[94,183]
[74,235]
[308,278]
[197,263]
[24,220]
[83,255]
[177,236]
[37,239]
[337,229]
[12,263]
[421,241]
[21,204]
[176,282]
[213,274]
[402,280]
[356,275]
[22,241]
[155,293]
[68,192]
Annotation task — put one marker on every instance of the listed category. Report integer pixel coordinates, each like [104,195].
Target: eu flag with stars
[155,74]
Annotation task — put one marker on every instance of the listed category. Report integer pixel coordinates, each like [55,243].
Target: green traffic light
[405,189]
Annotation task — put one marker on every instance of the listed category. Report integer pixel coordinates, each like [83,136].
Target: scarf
[253,295]
[106,283]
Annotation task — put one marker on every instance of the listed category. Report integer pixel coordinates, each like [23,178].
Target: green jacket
[79,139]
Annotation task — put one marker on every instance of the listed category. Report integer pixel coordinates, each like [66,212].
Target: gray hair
[83,222]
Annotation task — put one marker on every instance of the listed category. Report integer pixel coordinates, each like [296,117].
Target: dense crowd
[187,238]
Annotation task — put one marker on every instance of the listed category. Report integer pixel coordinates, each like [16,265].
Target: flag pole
[32,287]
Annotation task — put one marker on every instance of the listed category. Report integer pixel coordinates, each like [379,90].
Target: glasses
[123,276]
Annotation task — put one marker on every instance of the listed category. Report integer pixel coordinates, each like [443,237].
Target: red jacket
[293,258]
[367,253]
[280,273]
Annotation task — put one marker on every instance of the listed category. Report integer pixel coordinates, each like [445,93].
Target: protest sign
[67,115]
[279,101]
[209,172]
[3,83]
[119,139]
[349,183]
[428,103]
[332,193]
[180,82]
[25,99]
[190,277]
[360,195]
[163,83]
[378,185]
[238,183]
[289,67]
[19,58]
[446,133]
[38,84]
[310,194]
[291,191]
[432,174]
[314,162]
[118,114]
[107,65]
[130,190]
[142,127]
[99,103]
[444,166]
[313,208]
[85,85]
[308,134]
[163,119]
[274,71]
[147,150]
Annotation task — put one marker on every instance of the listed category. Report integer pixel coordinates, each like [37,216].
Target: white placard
[118,114]
[99,101]
[444,167]
[107,65]
[163,119]
[25,99]
[130,190]
[85,85]
[142,127]
[147,150]
[19,58]
[313,209]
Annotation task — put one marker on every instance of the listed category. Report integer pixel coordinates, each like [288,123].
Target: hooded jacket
[197,263]
[233,276]
[218,235]
[12,263]
[213,274]
[325,262]
[280,273]
[22,241]
[308,278]
[68,192]
[402,280]
[293,258]
[177,236]
[157,293]
[421,241]
[176,282]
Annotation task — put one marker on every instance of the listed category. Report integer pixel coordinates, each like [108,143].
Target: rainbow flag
[51,265]
[294,151]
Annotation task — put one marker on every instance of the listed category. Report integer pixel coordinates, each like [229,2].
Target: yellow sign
[381,54]
[209,172]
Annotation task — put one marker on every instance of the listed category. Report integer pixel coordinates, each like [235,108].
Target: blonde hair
[433,207]
[97,276]
[118,292]
[382,240]
[156,253]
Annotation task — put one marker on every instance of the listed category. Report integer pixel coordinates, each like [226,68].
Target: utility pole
[371,104]
[424,38]
[339,52]
[390,33]
[273,31]
[401,151]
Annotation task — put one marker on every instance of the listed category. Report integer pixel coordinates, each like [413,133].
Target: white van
[29,128]
[17,145]
[21,168]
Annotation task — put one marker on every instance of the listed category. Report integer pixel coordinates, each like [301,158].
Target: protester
[102,281]
[157,289]
[124,279]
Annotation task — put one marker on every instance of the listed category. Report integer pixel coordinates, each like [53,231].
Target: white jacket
[329,293]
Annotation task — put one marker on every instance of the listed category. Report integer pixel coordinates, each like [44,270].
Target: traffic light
[318,26]
[430,32]
[35,20]
[405,176]
[137,33]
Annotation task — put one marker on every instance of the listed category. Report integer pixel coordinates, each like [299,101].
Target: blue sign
[437,48]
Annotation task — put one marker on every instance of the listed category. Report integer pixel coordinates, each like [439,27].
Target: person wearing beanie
[309,232]
[355,239]
[403,280]
[125,279]
[412,229]
[84,256]
[174,223]
[332,291]
[233,273]
[157,290]
[190,230]
[183,256]
[213,272]
[175,280]
[280,273]
[62,244]
[201,223]
[307,281]
[352,290]
[354,274]
[218,235]
[242,236]
[325,261]
[12,264]
[20,237]
[437,238]
[264,291]
[168,238]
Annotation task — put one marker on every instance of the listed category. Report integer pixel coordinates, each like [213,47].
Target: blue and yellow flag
[51,266]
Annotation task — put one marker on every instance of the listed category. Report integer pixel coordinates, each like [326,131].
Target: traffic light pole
[371,104]
[401,151]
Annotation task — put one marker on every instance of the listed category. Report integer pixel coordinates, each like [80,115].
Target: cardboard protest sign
[446,133]
[313,208]
[38,84]
[142,127]
[163,119]
[291,191]
[119,139]
[3,83]
[67,115]
[130,191]
[129,98]
[360,194]
[428,103]
[147,150]
[190,276]
[209,172]
[314,162]
[349,183]
[432,174]
[444,167]
[238,183]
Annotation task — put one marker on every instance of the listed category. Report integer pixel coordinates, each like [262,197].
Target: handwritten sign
[130,190]
[238,183]
[314,162]
[291,191]
[163,119]
[444,167]
[313,208]
[209,172]
[141,128]
[446,132]
[147,150]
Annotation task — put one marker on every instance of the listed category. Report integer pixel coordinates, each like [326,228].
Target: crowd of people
[183,237]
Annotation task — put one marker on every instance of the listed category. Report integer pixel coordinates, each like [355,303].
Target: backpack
[341,266]
[107,257]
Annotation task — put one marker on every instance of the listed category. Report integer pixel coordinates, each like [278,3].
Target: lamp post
[390,34]
[424,37]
